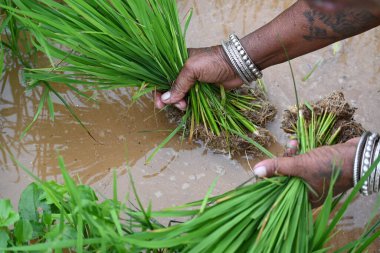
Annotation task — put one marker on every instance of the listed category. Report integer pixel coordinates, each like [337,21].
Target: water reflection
[116,123]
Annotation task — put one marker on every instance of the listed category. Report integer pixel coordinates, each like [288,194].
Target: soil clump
[334,103]
[227,143]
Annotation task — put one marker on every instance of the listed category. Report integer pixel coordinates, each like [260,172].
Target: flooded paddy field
[126,133]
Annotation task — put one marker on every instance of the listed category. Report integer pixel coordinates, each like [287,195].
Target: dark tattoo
[339,25]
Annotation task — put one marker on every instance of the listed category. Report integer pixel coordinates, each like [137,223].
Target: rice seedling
[313,69]
[14,37]
[138,44]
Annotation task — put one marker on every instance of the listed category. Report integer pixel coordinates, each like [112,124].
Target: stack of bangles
[240,60]
[367,152]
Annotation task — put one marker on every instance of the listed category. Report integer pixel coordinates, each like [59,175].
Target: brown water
[181,172]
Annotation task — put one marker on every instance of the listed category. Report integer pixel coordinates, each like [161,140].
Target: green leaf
[2,59]
[8,216]
[30,202]
[4,238]
[188,19]
[23,231]
[314,68]
[32,206]
[205,200]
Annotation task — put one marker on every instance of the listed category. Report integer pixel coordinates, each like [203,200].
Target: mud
[235,145]
[266,111]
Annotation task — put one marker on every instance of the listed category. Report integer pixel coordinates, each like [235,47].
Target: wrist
[262,56]
[240,60]
[226,63]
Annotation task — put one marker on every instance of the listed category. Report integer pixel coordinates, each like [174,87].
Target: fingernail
[293,143]
[165,96]
[260,171]
[180,106]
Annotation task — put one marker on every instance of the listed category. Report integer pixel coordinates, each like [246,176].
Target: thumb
[287,166]
[181,86]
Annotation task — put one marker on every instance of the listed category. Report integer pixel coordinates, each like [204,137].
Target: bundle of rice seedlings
[273,215]
[101,44]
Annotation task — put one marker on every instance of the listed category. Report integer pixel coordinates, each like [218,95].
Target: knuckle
[276,166]
[179,87]
[188,67]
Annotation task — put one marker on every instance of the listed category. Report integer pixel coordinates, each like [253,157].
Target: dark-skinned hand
[207,65]
[315,167]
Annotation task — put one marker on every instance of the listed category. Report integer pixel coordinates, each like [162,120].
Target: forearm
[301,29]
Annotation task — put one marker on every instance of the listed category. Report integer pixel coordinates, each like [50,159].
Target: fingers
[288,166]
[157,100]
[160,105]
[181,86]
[291,148]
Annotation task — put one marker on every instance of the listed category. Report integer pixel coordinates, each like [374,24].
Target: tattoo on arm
[340,25]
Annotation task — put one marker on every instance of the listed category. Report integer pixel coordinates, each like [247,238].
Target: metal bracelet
[234,63]
[371,178]
[240,60]
[358,156]
[363,169]
[366,163]
[245,57]
[377,171]
[243,68]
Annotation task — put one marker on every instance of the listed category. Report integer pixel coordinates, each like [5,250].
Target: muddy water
[127,132]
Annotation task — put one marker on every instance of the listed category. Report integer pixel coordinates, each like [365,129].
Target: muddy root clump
[264,112]
[227,143]
[334,103]
[235,145]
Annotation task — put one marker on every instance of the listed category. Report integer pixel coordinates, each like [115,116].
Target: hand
[204,64]
[315,167]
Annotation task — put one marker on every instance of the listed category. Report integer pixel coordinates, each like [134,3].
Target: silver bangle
[234,63]
[366,163]
[237,56]
[358,156]
[370,155]
[249,64]
[240,60]
[377,170]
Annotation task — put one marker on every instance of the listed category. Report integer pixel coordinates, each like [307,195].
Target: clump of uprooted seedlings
[260,111]
[100,45]
[345,125]
[273,215]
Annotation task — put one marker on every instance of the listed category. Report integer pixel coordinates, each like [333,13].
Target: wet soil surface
[127,132]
